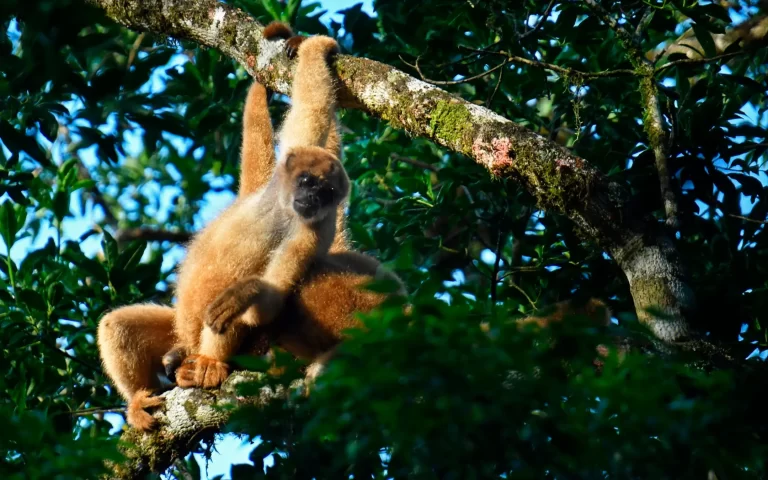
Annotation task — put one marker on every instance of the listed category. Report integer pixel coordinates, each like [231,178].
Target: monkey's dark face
[318,180]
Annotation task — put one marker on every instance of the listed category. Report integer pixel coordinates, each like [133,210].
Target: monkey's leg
[258,153]
[132,341]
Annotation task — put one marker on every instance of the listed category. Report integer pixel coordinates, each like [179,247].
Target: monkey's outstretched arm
[313,97]
[258,152]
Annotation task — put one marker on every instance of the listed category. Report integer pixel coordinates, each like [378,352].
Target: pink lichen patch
[482,152]
[502,148]
[498,156]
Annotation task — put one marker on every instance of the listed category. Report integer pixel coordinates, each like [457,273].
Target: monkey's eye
[306,180]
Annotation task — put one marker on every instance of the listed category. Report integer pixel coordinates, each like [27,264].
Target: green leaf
[32,299]
[8,224]
[109,245]
[706,40]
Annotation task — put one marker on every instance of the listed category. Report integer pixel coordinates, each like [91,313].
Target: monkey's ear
[289,161]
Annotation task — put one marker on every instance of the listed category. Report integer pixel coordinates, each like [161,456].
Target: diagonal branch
[187,417]
[558,180]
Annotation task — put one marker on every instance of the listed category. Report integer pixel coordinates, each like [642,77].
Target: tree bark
[559,180]
[187,417]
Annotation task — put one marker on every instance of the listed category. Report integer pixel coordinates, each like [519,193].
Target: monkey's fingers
[292,45]
[202,372]
[223,311]
[136,413]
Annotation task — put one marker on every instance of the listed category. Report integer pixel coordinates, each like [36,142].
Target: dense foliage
[108,134]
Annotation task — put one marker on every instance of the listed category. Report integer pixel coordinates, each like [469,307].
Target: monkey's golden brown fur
[240,269]
[133,339]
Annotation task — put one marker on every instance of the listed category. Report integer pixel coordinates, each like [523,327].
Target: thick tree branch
[559,180]
[187,417]
[151,235]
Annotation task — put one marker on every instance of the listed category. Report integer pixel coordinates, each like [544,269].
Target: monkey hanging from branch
[274,269]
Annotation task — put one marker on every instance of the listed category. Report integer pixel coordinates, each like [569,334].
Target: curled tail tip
[277,30]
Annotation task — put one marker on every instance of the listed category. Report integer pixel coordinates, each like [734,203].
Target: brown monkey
[133,339]
[240,269]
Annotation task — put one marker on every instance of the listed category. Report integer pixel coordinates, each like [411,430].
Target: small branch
[621,72]
[415,163]
[497,261]
[150,235]
[643,23]
[75,359]
[453,82]
[627,38]
[519,289]
[747,219]
[489,100]
[658,138]
[653,123]
[134,50]
[698,61]
[541,21]
[95,410]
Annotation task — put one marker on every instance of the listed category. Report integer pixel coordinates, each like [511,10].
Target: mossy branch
[187,417]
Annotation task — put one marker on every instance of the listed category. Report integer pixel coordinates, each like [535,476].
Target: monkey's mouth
[306,208]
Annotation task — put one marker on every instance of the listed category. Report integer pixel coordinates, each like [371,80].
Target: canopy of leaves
[108,133]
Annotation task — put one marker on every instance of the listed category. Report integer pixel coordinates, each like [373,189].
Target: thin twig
[628,39]
[452,82]
[464,58]
[150,235]
[55,348]
[541,21]
[643,23]
[134,50]
[654,123]
[182,469]
[698,61]
[415,163]
[519,289]
[747,219]
[496,263]
[621,72]
[96,410]
[495,89]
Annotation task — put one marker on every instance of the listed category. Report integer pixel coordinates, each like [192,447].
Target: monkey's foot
[137,415]
[201,371]
[171,361]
